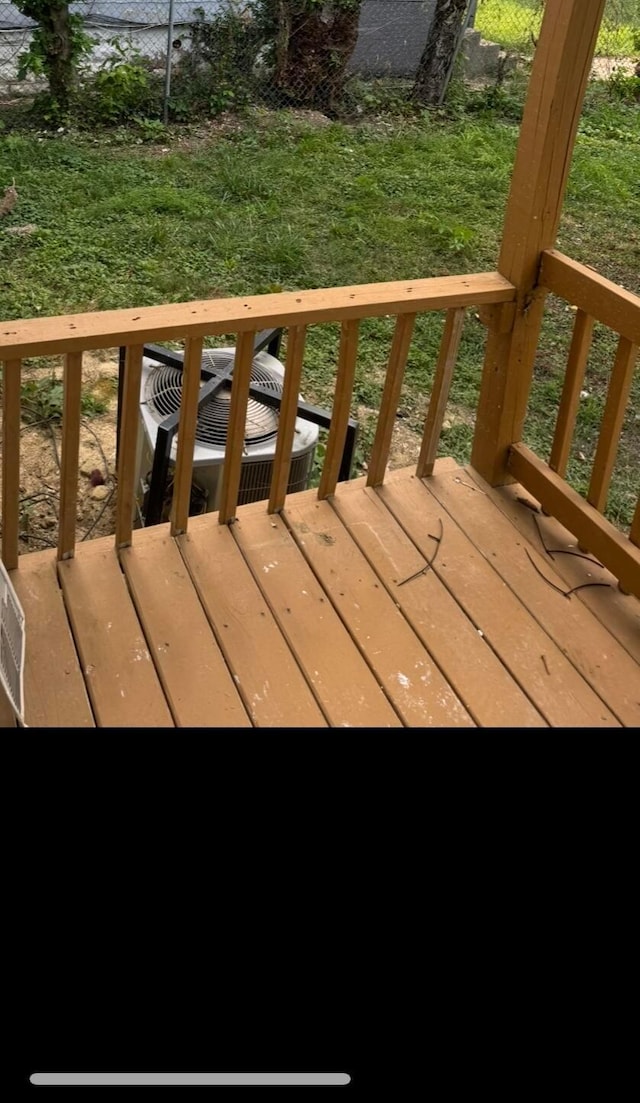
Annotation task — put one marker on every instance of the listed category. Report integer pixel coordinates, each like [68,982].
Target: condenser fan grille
[163,391]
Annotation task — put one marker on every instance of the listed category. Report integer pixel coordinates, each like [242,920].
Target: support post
[167,72]
[558,83]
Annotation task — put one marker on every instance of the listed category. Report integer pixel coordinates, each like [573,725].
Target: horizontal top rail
[174,321]
[596,296]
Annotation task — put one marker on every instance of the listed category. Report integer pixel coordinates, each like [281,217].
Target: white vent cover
[11,645]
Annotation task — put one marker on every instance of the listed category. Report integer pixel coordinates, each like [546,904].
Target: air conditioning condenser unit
[160,394]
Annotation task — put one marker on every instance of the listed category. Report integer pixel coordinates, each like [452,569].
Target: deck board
[298,619]
[601,661]
[197,683]
[55,695]
[119,673]
[464,657]
[393,651]
[347,690]
[619,613]
[269,679]
[534,659]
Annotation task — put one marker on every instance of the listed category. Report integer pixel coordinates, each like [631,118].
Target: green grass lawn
[515,24]
[279,202]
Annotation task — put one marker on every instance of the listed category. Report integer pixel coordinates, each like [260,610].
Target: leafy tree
[58,42]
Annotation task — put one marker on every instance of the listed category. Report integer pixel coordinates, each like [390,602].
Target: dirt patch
[41,455]
[406,440]
[604,67]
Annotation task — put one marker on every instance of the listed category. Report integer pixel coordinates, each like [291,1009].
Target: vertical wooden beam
[129,426]
[237,427]
[573,380]
[191,368]
[10,462]
[390,398]
[558,82]
[341,405]
[287,420]
[440,392]
[72,402]
[617,396]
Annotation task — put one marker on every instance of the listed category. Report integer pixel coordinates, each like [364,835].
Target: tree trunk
[439,52]
[61,69]
[55,35]
[313,47]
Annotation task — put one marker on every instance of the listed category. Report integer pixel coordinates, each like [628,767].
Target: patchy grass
[279,201]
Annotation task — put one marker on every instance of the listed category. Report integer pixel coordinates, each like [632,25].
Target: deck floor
[312,618]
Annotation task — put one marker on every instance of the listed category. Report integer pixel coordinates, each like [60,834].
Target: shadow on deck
[323,615]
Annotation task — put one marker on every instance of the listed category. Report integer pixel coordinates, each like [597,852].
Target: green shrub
[121,89]
[217,73]
[624,86]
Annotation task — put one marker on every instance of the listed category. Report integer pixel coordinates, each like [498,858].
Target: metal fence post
[471,11]
[167,75]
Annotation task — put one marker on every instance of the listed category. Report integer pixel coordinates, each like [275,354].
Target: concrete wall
[391,37]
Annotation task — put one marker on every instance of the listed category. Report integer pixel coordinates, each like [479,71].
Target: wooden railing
[596,299]
[73,335]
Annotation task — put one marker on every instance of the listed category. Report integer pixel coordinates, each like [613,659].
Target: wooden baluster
[341,407]
[619,388]
[574,378]
[186,435]
[634,534]
[237,427]
[287,421]
[72,382]
[129,425]
[390,398]
[440,391]
[10,462]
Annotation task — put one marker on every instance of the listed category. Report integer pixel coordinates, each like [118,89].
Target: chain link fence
[515,26]
[210,55]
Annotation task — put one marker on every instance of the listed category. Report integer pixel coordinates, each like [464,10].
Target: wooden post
[10,462]
[573,380]
[186,435]
[71,413]
[287,421]
[341,404]
[440,393]
[232,470]
[608,440]
[559,79]
[391,396]
[128,445]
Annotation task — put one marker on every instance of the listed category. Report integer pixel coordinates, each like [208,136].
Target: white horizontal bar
[187,1078]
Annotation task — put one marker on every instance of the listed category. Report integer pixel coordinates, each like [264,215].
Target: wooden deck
[312,618]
